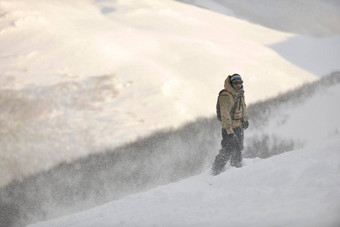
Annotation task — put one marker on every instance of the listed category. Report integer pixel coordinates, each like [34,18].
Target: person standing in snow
[232,112]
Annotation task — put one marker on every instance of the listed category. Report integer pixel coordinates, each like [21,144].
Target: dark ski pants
[231,150]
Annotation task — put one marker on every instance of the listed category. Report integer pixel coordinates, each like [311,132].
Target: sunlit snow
[79,77]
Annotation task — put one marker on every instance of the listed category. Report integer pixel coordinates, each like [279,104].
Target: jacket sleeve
[245,113]
[225,106]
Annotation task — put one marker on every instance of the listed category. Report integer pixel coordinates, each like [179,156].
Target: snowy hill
[88,87]
[306,17]
[298,188]
[278,125]
[80,76]
[295,189]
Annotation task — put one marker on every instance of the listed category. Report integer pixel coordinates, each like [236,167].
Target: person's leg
[224,155]
[236,154]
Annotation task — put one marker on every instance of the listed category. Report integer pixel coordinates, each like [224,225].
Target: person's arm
[245,122]
[245,113]
[225,100]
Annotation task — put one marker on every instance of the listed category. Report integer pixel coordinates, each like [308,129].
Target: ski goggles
[238,82]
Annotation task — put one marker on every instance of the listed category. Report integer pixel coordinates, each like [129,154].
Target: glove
[245,124]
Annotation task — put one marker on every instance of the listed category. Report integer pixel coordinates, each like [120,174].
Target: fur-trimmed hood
[228,87]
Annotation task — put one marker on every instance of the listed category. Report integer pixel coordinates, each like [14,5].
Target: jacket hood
[227,86]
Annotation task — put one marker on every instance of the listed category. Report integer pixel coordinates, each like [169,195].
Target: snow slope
[77,77]
[306,122]
[316,21]
[296,188]
[305,17]
[299,188]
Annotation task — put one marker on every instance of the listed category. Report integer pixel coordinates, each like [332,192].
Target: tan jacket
[231,119]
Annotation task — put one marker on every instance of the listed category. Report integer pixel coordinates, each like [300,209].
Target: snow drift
[296,189]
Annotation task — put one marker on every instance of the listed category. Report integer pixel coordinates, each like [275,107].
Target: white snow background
[79,77]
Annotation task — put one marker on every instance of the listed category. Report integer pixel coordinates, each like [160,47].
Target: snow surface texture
[78,77]
[300,188]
